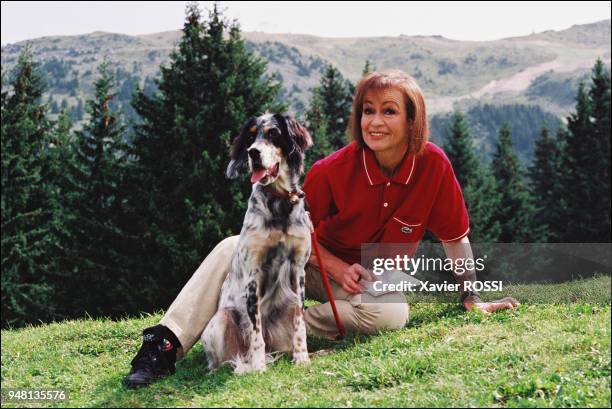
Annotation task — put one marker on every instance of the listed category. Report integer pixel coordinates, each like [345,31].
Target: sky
[468,21]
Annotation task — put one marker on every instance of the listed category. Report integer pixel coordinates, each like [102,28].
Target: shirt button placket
[386,195]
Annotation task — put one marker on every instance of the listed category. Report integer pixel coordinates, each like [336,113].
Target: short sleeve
[449,219]
[318,194]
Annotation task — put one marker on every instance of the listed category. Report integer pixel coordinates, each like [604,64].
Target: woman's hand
[347,276]
[491,306]
[351,277]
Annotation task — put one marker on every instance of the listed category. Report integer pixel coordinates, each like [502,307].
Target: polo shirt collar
[374,175]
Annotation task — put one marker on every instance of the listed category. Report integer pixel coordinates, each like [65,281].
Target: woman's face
[384,123]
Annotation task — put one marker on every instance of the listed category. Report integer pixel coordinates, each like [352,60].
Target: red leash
[315,244]
[294,197]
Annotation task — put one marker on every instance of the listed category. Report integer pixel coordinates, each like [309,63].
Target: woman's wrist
[334,266]
[469,298]
[335,269]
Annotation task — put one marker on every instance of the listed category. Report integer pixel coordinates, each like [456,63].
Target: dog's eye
[273,133]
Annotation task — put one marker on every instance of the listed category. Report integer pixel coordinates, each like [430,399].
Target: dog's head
[273,145]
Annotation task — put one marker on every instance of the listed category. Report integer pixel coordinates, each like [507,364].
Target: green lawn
[538,355]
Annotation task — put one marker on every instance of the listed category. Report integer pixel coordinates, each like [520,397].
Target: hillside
[535,76]
[542,355]
[451,72]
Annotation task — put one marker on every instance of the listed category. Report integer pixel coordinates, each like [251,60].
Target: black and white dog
[261,303]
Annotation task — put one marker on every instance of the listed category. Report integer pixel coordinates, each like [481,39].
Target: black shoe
[155,359]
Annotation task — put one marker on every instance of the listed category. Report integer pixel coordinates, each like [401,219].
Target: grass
[545,355]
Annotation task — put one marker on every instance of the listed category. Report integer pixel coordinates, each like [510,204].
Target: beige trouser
[197,303]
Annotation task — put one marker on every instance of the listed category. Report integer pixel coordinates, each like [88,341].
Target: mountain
[450,72]
[541,69]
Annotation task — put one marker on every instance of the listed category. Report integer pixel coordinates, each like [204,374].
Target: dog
[261,304]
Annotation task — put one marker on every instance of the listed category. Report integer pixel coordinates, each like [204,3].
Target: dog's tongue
[258,175]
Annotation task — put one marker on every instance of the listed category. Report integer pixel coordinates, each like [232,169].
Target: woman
[388,186]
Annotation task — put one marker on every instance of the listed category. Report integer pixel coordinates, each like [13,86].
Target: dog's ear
[298,133]
[239,154]
[298,140]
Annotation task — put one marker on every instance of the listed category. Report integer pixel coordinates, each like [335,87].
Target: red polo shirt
[352,202]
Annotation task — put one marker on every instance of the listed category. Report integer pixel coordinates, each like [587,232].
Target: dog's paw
[259,367]
[245,366]
[247,369]
[301,358]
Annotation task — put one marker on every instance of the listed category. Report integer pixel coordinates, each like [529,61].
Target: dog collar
[293,197]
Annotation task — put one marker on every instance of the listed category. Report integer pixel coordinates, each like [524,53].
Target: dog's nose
[255,155]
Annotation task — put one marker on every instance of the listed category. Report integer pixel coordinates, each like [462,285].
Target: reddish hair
[413,99]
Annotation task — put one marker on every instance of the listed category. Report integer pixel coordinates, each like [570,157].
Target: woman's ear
[239,154]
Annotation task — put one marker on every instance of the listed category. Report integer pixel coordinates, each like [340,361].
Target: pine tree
[478,185]
[586,162]
[181,196]
[515,212]
[317,121]
[54,107]
[328,115]
[546,188]
[368,68]
[336,98]
[599,95]
[460,149]
[577,163]
[79,111]
[27,242]
[60,160]
[100,164]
